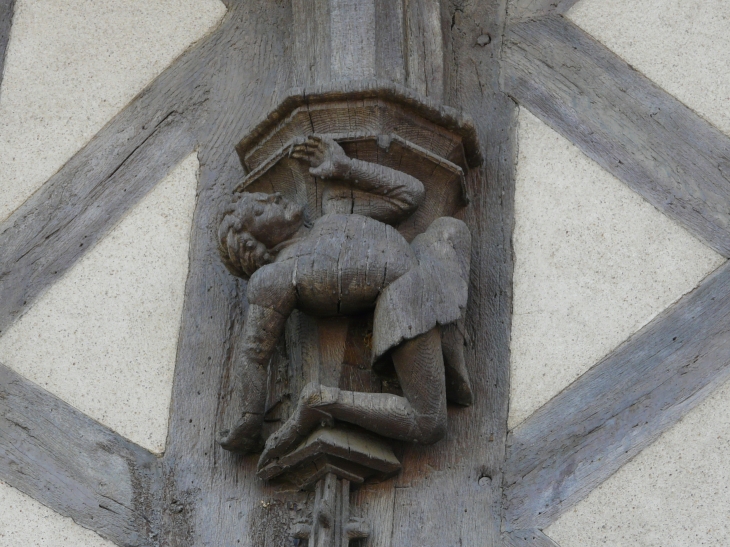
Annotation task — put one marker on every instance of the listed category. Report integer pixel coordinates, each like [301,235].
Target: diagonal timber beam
[78,205]
[519,10]
[76,466]
[7,9]
[53,229]
[620,406]
[638,132]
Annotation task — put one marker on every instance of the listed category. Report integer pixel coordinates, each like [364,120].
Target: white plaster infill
[104,337]
[26,523]
[676,493]
[71,65]
[681,45]
[594,262]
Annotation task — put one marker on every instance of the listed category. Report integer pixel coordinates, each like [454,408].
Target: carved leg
[311,411]
[419,417]
[262,329]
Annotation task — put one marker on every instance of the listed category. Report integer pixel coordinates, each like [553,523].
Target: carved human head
[253,227]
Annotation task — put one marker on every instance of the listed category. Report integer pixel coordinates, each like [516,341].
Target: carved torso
[348,258]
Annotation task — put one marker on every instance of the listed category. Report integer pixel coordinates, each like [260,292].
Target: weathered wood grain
[76,466]
[389,43]
[67,216]
[7,9]
[258,145]
[528,538]
[211,496]
[424,55]
[210,97]
[312,51]
[518,10]
[78,205]
[450,493]
[620,406]
[351,40]
[352,35]
[655,144]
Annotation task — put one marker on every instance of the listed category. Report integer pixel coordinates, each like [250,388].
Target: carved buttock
[350,259]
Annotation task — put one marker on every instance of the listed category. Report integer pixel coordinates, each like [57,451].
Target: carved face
[275,219]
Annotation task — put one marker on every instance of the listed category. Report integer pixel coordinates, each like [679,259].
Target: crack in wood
[210,97]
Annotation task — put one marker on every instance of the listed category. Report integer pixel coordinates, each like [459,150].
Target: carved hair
[242,253]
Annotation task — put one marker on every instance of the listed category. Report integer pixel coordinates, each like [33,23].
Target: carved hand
[326,157]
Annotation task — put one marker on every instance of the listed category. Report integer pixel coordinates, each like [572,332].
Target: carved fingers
[326,158]
[313,150]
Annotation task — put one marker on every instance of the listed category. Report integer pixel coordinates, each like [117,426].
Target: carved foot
[245,436]
[308,415]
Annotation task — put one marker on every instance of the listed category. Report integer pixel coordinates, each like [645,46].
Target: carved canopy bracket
[374,121]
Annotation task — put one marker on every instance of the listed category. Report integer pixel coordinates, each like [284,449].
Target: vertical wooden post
[399,41]
[212,497]
[353,41]
[449,493]
[331,525]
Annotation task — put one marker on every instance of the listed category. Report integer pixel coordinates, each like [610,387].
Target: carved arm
[403,191]
[397,194]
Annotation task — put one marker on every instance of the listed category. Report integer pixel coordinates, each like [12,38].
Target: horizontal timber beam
[660,148]
[76,466]
[527,538]
[78,205]
[620,406]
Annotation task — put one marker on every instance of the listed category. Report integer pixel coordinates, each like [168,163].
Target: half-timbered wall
[619,412]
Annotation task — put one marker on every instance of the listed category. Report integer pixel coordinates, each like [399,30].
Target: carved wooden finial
[331,524]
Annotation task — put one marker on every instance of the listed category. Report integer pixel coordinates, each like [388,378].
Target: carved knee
[314,395]
[431,428]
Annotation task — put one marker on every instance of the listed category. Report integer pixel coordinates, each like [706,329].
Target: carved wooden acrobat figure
[349,261]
